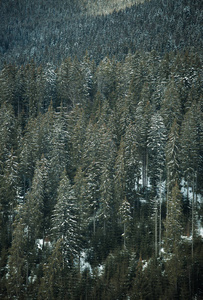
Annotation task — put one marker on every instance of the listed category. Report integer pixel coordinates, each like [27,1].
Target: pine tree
[77,136]
[8,85]
[9,181]
[106,77]
[65,220]
[31,89]
[64,80]
[17,263]
[54,281]
[142,118]
[8,193]
[106,197]
[172,161]
[171,106]
[189,141]
[125,215]
[59,150]
[93,183]
[173,231]
[80,191]
[28,227]
[140,286]
[156,145]
[120,176]
[173,223]
[132,165]
[189,156]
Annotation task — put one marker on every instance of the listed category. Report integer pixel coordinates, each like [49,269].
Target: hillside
[101,150]
[50,32]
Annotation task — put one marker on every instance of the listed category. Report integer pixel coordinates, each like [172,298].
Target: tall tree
[27,229]
[64,221]
[171,105]
[125,215]
[142,119]
[172,161]
[132,165]
[156,145]
[106,197]
[173,231]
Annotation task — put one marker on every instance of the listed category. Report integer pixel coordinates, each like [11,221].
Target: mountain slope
[58,29]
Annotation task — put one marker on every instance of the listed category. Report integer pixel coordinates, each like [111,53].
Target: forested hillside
[101,151]
[49,31]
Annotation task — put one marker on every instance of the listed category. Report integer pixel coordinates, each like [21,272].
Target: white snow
[41,242]
[145,264]
[84,264]
[201,231]
[186,238]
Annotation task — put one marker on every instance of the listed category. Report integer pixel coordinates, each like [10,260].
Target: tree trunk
[155,228]
[193,198]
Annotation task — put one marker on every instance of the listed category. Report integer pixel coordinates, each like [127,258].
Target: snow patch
[145,264]
[84,264]
[186,238]
[40,243]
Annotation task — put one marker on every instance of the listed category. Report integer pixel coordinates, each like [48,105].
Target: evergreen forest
[101,150]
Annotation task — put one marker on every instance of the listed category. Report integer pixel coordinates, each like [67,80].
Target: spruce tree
[172,159]
[125,215]
[156,145]
[65,220]
[172,239]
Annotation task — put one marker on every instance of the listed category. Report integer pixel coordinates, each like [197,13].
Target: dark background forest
[101,150]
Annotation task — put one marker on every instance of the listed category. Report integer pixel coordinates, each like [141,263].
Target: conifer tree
[106,197]
[106,77]
[27,229]
[189,140]
[64,221]
[142,118]
[172,161]
[125,215]
[156,145]
[120,176]
[132,164]
[173,223]
[8,85]
[17,273]
[59,154]
[77,136]
[173,231]
[171,106]
[64,83]
[80,190]
[54,281]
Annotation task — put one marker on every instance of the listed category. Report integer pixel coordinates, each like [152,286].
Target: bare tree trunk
[167,194]
[155,229]
[94,223]
[124,234]
[193,198]
[160,197]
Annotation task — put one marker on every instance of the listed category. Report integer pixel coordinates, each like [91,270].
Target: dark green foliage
[101,165]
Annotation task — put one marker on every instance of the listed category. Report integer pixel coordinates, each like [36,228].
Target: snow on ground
[144,264]
[199,228]
[201,231]
[190,192]
[84,264]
